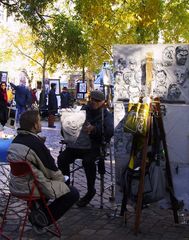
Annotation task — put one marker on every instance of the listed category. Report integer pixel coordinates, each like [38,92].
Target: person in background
[29,146]
[34,101]
[3,104]
[99,127]
[52,106]
[65,98]
[10,95]
[43,108]
[22,98]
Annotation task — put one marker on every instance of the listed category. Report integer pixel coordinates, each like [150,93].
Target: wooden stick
[174,201]
[141,183]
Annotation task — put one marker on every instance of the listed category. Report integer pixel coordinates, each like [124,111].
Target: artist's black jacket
[102,119]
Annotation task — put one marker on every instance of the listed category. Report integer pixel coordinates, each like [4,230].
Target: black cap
[97,95]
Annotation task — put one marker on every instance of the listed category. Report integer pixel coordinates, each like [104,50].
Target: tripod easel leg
[101,190]
[112,197]
[174,201]
[141,183]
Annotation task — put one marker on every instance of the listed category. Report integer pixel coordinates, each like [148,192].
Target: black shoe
[86,199]
[39,220]
[39,230]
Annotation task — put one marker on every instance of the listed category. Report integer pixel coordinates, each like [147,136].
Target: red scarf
[4,93]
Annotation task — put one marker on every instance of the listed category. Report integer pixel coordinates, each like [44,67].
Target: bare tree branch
[106,50]
[8,4]
[26,55]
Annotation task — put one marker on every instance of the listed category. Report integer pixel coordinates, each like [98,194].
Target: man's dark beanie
[97,95]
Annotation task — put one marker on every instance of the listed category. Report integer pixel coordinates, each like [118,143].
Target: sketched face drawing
[161,77]
[131,63]
[173,92]
[121,64]
[127,77]
[72,124]
[168,55]
[181,75]
[181,55]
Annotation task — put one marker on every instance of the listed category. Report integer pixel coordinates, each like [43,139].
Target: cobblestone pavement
[94,222]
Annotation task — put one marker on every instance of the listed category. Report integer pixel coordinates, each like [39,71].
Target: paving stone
[93,223]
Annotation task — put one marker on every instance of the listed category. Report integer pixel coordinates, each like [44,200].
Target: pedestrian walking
[22,98]
[52,106]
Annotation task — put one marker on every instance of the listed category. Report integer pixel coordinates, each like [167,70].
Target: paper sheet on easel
[72,123]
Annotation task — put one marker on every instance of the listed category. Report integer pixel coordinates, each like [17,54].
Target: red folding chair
[23,169]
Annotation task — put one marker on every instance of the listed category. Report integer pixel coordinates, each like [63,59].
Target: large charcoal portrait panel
[170,73]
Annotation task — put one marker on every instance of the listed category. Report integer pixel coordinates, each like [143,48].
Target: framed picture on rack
[57,82]
[3,76]
[80,96]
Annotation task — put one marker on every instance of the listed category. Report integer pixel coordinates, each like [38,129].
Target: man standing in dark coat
[99,126]
[52,105]
[65,98]
[22,98]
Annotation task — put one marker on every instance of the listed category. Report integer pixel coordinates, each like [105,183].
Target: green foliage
[147,21]
[84,36]
[28,11]
[110,22]
[176,21]
[6,52]
[56,38]
[68,39]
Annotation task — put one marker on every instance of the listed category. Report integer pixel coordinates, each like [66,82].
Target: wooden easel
[155,104]
[174,201]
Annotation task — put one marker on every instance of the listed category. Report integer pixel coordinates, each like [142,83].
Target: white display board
[176,123]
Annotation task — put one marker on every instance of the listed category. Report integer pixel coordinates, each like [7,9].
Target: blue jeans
[20,110]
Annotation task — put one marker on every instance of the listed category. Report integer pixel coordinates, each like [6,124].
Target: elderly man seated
[99,128]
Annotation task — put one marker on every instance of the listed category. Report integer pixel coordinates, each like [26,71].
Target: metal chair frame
[22,169]
[76,167]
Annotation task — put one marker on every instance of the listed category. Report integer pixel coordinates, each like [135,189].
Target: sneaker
[86,199]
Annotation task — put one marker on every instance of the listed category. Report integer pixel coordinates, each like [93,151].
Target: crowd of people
[20,96]
[29,146]
[24,97]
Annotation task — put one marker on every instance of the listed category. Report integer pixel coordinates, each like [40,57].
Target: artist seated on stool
[96,116]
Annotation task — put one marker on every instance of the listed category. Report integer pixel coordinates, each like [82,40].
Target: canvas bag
[136,119]
[154,184]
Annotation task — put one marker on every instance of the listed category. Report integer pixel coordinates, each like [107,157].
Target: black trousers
[60,205]
[88,157]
